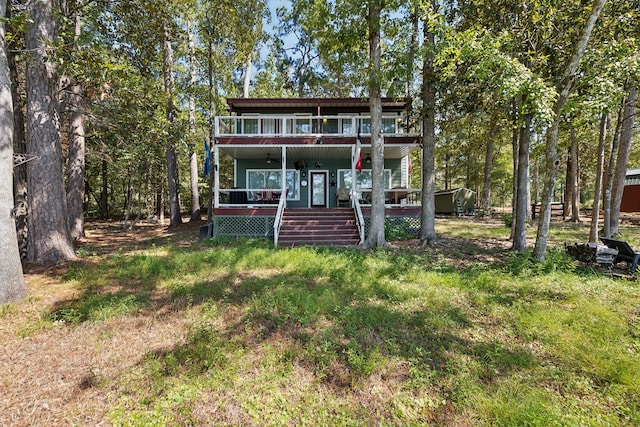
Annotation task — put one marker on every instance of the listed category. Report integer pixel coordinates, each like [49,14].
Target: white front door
[318,189]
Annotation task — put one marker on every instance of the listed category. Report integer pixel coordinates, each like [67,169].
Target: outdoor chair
[343,196]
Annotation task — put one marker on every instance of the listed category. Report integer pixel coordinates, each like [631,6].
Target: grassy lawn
[167,331]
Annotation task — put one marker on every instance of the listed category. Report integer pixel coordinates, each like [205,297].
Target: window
[346,125]
[330,126]
[389,125]
[272,178]
[303,125]
[363,179]
[270,126]
[365,126]
[250,126]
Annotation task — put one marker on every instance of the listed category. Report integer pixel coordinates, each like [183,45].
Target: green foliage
[556,259]
[97,308]
[507,220]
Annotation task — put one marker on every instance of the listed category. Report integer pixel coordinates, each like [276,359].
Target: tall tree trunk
[247,78]
[428,234]
[515,143]
[488,166]
[608,174]
[568,188]
[376,236]
[175,218]
[12,287]
[522,199]
[76,161]
[193,158]
[622,161]
[413,48]
[564,88]
[536,181]
[19,147]
[104,192]
[160,202]
[575,182]
[447,177]
[49,236]
[595,215]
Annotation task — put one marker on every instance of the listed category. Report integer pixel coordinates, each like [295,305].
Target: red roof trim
[360,104]
[311,140]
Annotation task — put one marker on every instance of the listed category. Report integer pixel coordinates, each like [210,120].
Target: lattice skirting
[243,226]
[262,226]
[410,225]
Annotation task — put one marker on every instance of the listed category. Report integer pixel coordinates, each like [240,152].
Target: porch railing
[394,197]
[278,125]
[268,197]
[233,197]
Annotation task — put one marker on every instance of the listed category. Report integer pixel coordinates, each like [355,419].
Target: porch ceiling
[311,151]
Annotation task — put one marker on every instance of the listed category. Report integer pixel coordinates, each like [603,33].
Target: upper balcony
[263,125]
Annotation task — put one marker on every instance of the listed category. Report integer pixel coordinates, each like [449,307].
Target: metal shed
[631,192]
[457,201]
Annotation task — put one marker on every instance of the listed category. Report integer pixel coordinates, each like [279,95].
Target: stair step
[322,227]
[317,234]
[319,227]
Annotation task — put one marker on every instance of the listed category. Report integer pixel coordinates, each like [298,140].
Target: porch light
[318,140]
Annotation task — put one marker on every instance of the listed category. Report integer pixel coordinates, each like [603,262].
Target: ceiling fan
[269,159]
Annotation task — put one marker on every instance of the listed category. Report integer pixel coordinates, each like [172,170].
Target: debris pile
[592,253]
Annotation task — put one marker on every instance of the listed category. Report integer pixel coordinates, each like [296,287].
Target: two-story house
[294,166]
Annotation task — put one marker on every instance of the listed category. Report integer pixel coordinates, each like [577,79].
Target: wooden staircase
[319,227]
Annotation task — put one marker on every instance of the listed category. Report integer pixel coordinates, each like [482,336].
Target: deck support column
[283,163]
[216,175]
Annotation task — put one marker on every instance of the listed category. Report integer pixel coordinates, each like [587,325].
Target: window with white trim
[272,179]
[364,179]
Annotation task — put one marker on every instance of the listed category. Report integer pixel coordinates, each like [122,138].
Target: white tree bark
[12,287]
[595,215]
[193,158]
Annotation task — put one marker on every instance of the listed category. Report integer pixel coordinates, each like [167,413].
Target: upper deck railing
[299,125]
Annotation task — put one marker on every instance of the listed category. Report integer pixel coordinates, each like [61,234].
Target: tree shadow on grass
[343,326]
[344,340]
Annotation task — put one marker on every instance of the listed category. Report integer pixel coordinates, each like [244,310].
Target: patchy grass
[166,331]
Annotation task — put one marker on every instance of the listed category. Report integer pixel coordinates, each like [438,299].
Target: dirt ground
[48,374]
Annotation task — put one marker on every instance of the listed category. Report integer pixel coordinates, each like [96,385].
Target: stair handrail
[278,220]
[359,216]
